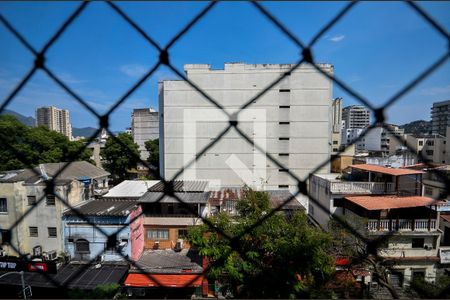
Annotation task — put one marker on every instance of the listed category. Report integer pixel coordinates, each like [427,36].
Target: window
[428,191]
[182,233]
[284,106]
[284,123]
[33,231]
[429,152]
[335,142]
[31,200]
[283,154]
[283,170]
[284,90]
[82,246]
[50,199]
[283,139]
[430,143]
[335,150]
[283,186]
[51,232]
[420,143]
[158,234]
[3,205]
[418,243]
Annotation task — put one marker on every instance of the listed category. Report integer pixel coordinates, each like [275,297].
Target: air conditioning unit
[52,255]
[179,245]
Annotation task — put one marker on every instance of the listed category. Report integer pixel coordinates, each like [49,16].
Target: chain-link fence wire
[306,57]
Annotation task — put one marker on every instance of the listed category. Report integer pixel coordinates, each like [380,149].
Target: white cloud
[337,38]
[134,70]
[436,90]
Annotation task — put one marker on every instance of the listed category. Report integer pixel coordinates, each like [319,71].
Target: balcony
[346,187]
[419,225]
[172,219]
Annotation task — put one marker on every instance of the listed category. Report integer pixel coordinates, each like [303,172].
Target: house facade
[32,220]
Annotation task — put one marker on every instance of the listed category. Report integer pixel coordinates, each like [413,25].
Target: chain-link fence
[306,51]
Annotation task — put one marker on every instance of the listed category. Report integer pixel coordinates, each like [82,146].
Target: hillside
[417,127]
[30,121]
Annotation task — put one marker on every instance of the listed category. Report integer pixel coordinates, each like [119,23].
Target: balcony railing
[362,187]
[401,225]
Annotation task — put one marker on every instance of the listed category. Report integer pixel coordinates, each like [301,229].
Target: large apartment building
[356,116]
[336,127]
[440,117]
[291,122]
[144,127]
[55,119]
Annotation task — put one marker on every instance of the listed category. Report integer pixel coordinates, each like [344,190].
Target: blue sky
[377,48]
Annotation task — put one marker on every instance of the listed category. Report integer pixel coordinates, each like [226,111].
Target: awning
[164,280]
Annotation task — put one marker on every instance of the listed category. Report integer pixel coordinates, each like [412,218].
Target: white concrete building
[291,121]
[144,127]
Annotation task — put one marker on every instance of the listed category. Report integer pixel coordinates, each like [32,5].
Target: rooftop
[169,262]
[72,276]
[390,202]
[385,170]
[130,189]
[75,170]
[104,207]
[181,186]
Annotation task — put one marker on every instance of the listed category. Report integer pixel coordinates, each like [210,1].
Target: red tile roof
[164,280]
[446,218]
[387,202]
[385,170]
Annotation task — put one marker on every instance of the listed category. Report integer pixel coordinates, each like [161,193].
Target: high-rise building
[356,116]
[291,122]
[55,119]
[144,127]
[440,117]
[336,119]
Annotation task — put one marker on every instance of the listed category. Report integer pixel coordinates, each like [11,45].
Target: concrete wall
[306,93]
[137,233]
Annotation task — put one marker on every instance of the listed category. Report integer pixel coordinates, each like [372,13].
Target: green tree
[280,258]
[440,289]
[120,157]
[152,146]
[24,147]
[362,253]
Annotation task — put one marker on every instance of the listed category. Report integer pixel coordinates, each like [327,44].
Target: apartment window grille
[3,205]
[33,231]
[158,234]
[50,200]
[335,142]
[31,200]
[82,246]
[51,232]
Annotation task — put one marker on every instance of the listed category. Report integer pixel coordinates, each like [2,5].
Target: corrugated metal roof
[130,189]
[104,207]
[385,170]
[188,197]
[168,261]
[182,186]
[390,202]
